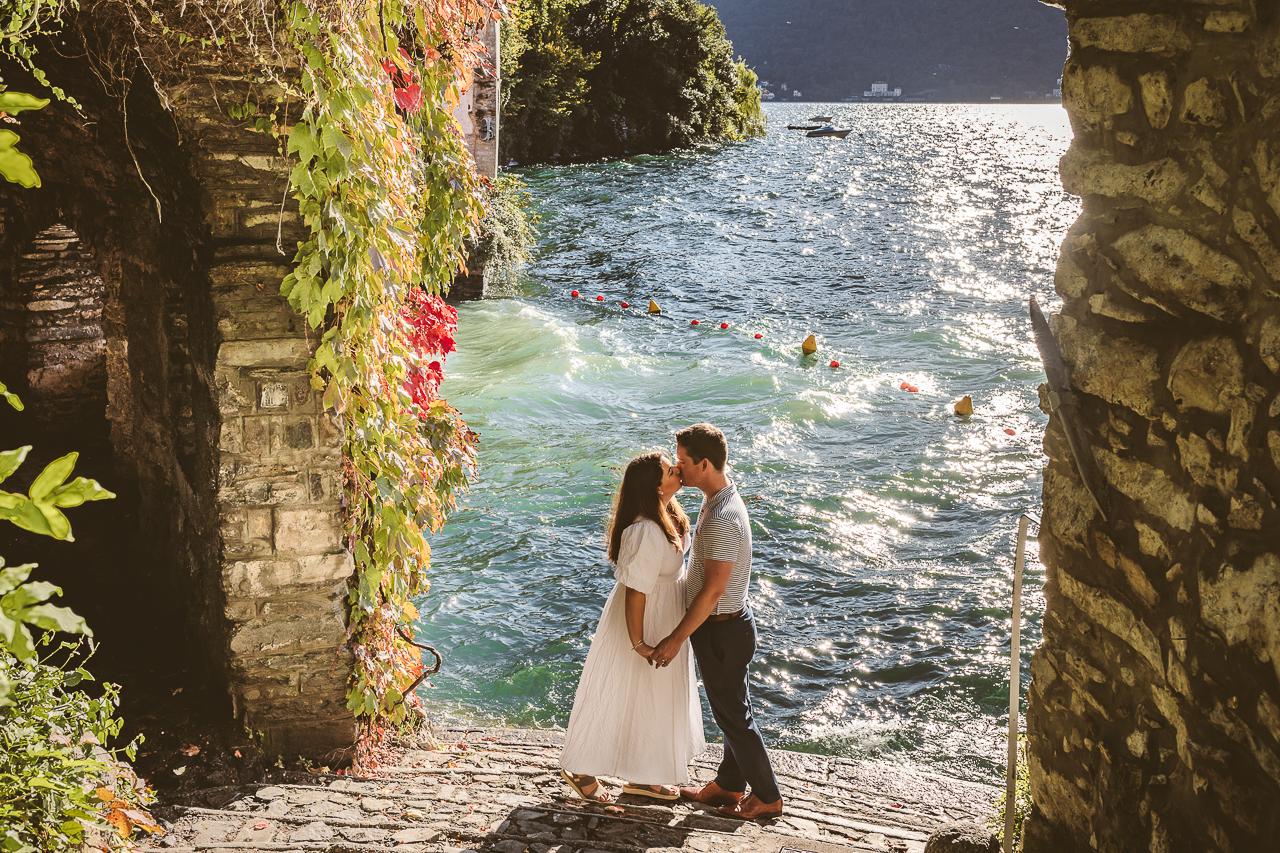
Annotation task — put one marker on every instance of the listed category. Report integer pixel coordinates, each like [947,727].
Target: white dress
[631,720]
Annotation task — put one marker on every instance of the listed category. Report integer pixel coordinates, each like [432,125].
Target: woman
[629,719]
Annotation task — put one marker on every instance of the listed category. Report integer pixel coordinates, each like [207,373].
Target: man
[721,628]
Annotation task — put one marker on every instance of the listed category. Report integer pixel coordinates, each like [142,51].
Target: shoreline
[499,789]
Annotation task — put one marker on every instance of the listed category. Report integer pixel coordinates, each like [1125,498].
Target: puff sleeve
[640,557]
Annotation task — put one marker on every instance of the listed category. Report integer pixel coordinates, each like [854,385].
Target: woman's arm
[634,608]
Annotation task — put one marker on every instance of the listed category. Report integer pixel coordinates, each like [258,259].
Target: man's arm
[715,575]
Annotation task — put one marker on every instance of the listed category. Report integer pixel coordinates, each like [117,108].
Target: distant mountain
[947,50]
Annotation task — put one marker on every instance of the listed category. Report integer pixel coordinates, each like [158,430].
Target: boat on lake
[829,131]
[823,118]
[804,127]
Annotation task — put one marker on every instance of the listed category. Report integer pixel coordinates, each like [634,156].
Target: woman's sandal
[666,793]
[598,793]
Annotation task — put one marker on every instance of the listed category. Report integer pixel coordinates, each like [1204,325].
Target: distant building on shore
[880,89]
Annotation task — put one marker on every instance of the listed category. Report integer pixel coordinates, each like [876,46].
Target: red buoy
[574,294]
[1010,432]
[625,305]
[724,325]
[904,386]
[693,322]
[759,336]
[913,389]
[835,364]
[599,299]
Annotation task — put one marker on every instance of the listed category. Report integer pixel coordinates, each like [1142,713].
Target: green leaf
[28,594]
[15,166]
[11,459]
[29,517]
[15,102]
[54,618]
[10,398]
[302,142]
[52,475]
[78,491]
[13,576]
[59,526]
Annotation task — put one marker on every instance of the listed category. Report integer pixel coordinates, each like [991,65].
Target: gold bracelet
[637,643]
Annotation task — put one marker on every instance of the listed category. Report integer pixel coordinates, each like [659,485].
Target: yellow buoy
[653,307]
[810,345]
[964,406]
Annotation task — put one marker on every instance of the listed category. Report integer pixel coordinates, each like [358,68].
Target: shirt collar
[722,495]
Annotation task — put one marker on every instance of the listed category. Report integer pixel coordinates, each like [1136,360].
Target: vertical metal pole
[1011,774]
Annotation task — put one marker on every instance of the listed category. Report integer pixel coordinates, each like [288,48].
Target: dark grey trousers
[724,651]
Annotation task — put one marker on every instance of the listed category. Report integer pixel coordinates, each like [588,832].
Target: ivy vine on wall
[388,191]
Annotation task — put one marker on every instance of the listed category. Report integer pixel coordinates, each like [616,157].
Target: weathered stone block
[1069,280]
[1178,270]
[1244,606]
[277,576]
[1245,513]
[1110,614]
[299,434]
[231,436]
[1269,344]
[1133,573]
[1118,370]
[1131,34]
[1204,193]
[273,395]
[242,609]
[1149,487]
[1227,22]
[1208,375]
[281,352]
[1197,460]
[1203,103]
[1095,93]
[1086,172]
[1068,509]
[312,531]
[277,634]
[235,397]
[1107,305]
[319,605]
[256,441]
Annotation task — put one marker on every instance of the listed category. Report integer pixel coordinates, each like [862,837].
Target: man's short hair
[704,441]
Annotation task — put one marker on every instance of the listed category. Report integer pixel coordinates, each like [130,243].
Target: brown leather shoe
[712,794]
[752,809]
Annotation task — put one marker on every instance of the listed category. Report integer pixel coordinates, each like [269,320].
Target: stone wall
[284,567]
[477,115]
[51,321]
[1154,718]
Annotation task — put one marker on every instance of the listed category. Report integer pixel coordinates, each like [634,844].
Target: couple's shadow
[629,820]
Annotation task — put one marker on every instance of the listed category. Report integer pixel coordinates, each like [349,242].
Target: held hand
[666,651]
[644,650]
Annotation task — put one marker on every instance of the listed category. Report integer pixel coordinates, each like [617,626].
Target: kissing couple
[636,715]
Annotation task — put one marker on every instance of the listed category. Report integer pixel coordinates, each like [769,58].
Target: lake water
[884,526]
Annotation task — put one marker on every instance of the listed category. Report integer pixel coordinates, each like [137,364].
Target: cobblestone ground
[499,791]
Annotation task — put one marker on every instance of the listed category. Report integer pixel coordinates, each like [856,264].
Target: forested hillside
[603,78]
[960,49]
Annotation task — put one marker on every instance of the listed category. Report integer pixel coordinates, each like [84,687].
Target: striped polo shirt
[723,532]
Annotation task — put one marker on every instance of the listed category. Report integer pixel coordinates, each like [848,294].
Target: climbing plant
[388,191]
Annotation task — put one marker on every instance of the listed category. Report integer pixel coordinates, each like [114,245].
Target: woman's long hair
[638,498]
